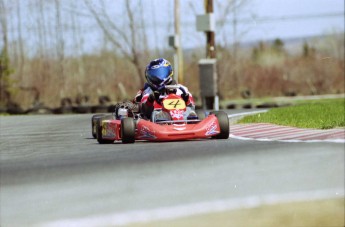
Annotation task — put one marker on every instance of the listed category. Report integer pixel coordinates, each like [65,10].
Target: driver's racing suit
[146,96]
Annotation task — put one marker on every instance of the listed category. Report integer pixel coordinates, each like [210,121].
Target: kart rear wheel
[99,133]
[94,119]
[127,130]
[98,118]
[223,121]
[201,114]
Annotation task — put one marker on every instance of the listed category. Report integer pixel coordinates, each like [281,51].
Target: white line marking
[166,213]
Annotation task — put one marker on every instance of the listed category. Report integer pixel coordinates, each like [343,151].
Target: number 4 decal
[175,103]
[171,104]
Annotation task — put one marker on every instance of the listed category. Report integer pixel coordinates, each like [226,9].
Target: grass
[323,213]
[320,114]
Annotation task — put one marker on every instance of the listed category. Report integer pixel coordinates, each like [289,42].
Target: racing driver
[158,73]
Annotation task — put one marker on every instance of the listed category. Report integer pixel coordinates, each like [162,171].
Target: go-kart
[169,121]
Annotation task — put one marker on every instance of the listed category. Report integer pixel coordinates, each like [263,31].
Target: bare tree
[155,30]
[228,10]
[5,83]
[78,42]
[41,29]
[127,42]
[60,48]
[20,41]
[143,27]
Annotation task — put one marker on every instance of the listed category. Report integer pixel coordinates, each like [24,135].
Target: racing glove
[154,97]
[184,95]
[151,98]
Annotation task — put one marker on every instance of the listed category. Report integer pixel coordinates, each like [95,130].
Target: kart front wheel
[223,122]
[201,114]
[127,130]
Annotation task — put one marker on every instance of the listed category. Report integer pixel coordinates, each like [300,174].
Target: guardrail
[106,106]
[83,109]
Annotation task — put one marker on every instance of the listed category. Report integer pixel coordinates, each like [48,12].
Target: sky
[313,21]
[250,27]
[297,27]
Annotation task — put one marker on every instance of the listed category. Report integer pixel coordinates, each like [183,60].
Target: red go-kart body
[172,127]
[146,130]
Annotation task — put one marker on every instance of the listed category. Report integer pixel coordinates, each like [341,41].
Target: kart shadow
[165,142]
[154,142]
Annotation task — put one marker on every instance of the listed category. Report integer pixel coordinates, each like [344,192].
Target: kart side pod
[216,125]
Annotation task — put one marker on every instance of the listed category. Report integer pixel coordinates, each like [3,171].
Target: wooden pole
[213,101]
[210,35]
[178,48]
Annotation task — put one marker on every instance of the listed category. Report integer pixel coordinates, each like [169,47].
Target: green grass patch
[321,114]
[308,214]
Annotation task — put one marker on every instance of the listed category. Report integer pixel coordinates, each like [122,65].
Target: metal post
[211,53]
[210,35]
[178,48]
[176,67]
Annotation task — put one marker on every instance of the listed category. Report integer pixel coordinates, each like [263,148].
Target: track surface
[52,170]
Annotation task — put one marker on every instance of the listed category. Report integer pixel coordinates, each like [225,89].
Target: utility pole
[208,68]
[234,45]
[178,56]
[210,35]
[234,27]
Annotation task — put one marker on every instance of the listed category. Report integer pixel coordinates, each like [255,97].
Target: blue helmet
[158,73]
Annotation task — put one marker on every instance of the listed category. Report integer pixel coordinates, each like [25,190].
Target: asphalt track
[53,172]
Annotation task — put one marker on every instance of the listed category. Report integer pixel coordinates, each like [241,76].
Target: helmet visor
[158,76]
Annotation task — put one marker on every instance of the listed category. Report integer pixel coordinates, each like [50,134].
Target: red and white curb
[271,132]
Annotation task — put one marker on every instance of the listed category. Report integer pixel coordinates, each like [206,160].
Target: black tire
[93,124]
[223,121]
[201,114]
[99,132]
[127,130]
